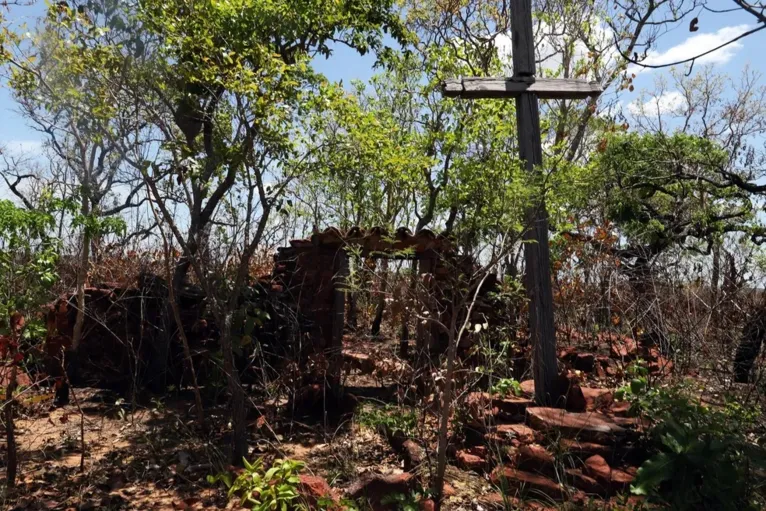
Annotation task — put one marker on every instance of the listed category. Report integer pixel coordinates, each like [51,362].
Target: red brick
[535,457]
[624,348]
[621,408]
[575,398]
[599,469]
[591,426]
[470,461]
[586,448]
[597,399]
[313,488]
[522,433]
[375,487]
[516,480]
[512,406]
[576,478]
[528,387]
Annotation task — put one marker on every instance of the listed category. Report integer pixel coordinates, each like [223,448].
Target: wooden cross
[526,89]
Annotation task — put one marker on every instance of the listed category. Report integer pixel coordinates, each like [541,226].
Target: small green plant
[390,417]
[265,490]
[504,386]
[404,501]
[328,504]
[120,409]
[158,406]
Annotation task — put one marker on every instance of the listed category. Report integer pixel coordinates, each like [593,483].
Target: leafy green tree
[67,81]
[27,270]
[659,194]
[214,92]
[662,191]
[227,83]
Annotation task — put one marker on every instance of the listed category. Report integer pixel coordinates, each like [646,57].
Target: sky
[346,65]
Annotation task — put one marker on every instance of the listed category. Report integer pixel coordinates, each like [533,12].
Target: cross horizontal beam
[544,88]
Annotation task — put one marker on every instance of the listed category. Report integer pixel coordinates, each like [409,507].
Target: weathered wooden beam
[544,88]
[522,37]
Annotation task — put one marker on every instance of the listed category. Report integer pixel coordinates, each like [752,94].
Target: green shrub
[390,417]
[404,501]
[265,490]
[702,458]
[505,386]
[275,489]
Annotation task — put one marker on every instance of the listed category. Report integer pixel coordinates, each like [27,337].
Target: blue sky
[345,64]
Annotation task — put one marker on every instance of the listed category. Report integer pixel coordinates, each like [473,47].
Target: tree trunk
[71,356]
[750,346]
[10,435]
[404,337]
[715,278]
[715,281]
[158,365]
[730,280]
[237,393]
[187,353]
[375,330]
[82,277]
[455,336]
[335,350]
[446,409]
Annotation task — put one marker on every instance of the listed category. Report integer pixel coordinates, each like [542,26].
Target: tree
[226,84]
[27,269]
[660,193]
[214,92]
[68,82]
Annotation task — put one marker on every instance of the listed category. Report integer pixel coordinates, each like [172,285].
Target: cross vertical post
[526,89]
[537,257]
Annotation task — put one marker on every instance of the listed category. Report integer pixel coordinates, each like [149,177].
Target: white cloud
[665,103]
[697,44]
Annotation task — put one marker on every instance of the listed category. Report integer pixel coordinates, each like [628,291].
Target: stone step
[512,434]
[586,449]
[512,408]
[484,409]
[362,362]
[634,423]
[620,409]
[576,478]
[597,399]
[613,479]
[515,482]
[518,482]
[533,458]
[468,460]
[589,426]
[578,398]
[528,388]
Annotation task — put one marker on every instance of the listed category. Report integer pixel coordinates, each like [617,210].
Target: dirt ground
[155,456]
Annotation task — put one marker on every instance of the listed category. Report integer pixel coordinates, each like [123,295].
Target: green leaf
[270,473]
[637,385]
[652,473]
